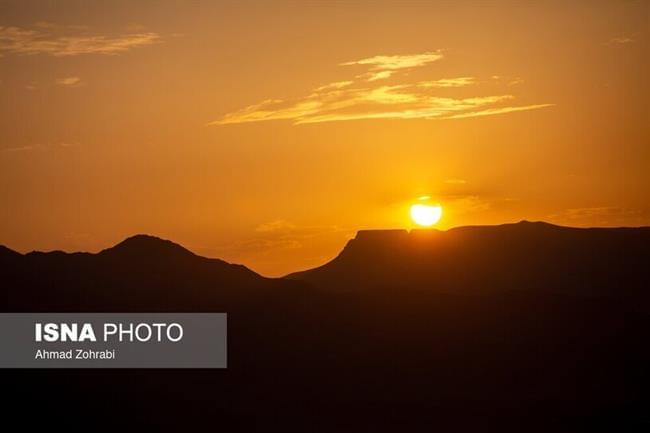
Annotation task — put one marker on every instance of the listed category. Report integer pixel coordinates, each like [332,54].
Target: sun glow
[426,215]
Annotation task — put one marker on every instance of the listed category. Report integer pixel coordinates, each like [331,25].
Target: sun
[426,214]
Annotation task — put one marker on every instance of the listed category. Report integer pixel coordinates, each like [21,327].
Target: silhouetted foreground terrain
[522,327]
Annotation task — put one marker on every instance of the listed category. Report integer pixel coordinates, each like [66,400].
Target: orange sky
[268,133]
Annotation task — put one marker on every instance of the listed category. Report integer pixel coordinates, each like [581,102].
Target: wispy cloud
[36,147]
[18,149]
[361,98]
[449,82]
[382,63]
[61,41]
[500,110]
[376,75]
[335,85]
[384,67]
[69,81]
[619,40]
[275,226]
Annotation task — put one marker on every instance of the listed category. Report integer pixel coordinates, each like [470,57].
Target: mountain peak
[147,244]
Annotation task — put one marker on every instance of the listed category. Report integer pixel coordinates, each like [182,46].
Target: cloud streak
[69,41]
[391,63]
[620,40]
[35,147]
[449,82]
[362,98]
[69,81]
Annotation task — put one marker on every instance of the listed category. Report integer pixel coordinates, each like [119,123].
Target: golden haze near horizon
[269,133]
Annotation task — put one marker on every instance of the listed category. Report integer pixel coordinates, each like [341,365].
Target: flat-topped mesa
[391,240]
[364,235]
[394,236]
[368,240]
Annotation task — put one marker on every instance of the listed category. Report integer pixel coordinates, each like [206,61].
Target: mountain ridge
[129,248]
[533,256]
[453,330]
[142,242]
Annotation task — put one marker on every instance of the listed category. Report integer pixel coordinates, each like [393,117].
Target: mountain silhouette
[147,245]
[140,273]
[526,256]
[519,327]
